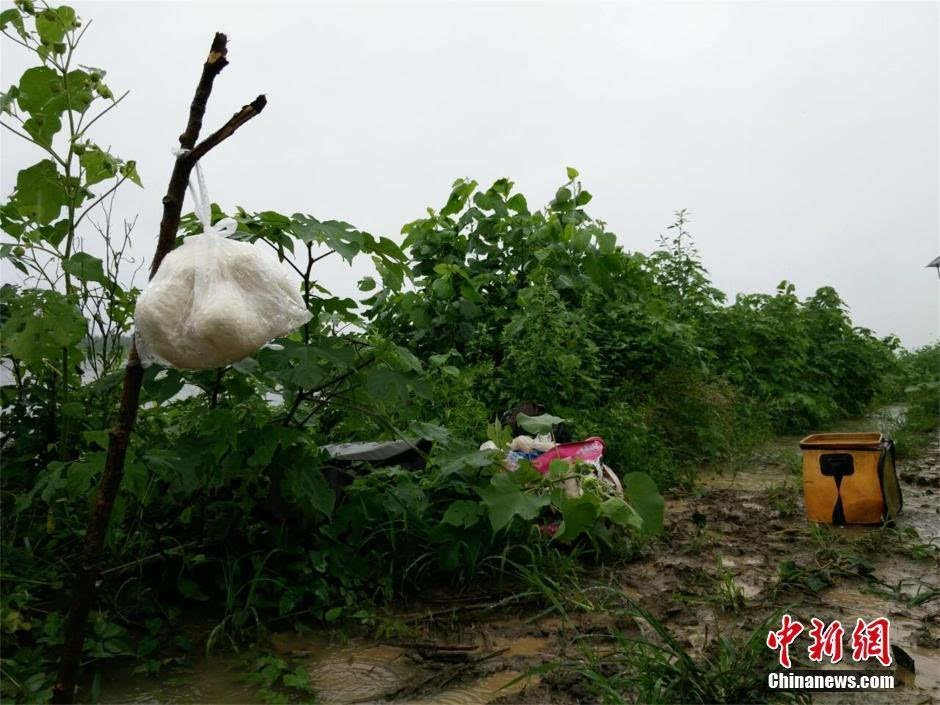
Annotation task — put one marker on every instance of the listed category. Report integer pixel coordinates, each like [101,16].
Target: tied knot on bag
[202,207]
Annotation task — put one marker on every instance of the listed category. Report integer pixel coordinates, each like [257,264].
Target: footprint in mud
[481,692]
[374,674]
[355,675]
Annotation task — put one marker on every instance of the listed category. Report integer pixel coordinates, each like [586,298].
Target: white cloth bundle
[215,301]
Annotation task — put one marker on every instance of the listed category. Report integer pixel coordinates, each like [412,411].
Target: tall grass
[659,669]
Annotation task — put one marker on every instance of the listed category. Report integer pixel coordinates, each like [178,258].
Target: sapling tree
[54,106]
[119,437]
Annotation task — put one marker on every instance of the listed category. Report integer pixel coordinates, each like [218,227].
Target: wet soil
[735,551]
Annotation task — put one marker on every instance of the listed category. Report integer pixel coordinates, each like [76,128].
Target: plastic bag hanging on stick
[215,301]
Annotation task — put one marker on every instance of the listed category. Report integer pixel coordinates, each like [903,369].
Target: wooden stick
[90,569]
[430,646]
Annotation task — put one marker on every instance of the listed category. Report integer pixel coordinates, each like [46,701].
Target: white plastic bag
[215,301]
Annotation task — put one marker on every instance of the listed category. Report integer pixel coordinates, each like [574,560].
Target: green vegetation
[917,383]
[231,514]
[656,667]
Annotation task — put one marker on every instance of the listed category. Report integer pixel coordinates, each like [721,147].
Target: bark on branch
[90,568]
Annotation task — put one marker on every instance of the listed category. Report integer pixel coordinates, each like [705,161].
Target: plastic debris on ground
[586,456]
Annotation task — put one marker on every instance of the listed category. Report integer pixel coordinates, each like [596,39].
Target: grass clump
[659,668]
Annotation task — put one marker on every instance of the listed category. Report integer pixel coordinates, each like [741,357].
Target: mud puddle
[218,680]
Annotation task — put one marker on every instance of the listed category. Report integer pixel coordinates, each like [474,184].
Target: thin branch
[104,196]
[81,34]
[280,255]
[83,130]
[38,144]
[173,201]
[319,257]
[308,393]
[228,129]
[18,41]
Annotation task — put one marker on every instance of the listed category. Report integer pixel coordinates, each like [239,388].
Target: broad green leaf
[287,602]
[53,23]
[78,475]
[335,350]
[305,485]
[85,267]
[606,242]
[42,92]
[38,87]
[98,165]
[407,359]
[43,128]
[161,385]
[468,292]
[473,460]
[463,513]
[335,234]
[572,173]
[645,499]
[40,195]
[190,589]
[387,386]
[468,309]
[518,204]
[135,480]
[366,284]
[559,468]
[621,513]
[526,296]
[40,324]
[443,287]
[99,438]
[538,424]
[299,678]
[504,500]
[296,364]
[581,239]
[430,431]
[458,197]
[388,250]
[274,219]
[80,93]
[7,99]
[73,410]
[129,169]
[578,515]
[13,16]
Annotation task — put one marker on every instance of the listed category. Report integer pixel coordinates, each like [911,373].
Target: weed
[728,596]
[784,499]
[901,591]
[278,682]
[662,670]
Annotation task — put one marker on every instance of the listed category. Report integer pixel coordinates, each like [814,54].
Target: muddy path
[735,551]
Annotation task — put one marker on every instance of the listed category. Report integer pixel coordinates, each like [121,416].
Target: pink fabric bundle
[590,450]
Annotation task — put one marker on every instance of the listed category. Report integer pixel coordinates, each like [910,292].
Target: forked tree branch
[119,437]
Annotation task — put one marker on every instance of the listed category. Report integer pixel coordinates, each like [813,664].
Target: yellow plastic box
[849,478]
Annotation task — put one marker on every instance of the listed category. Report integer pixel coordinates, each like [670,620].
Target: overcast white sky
[804,137]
